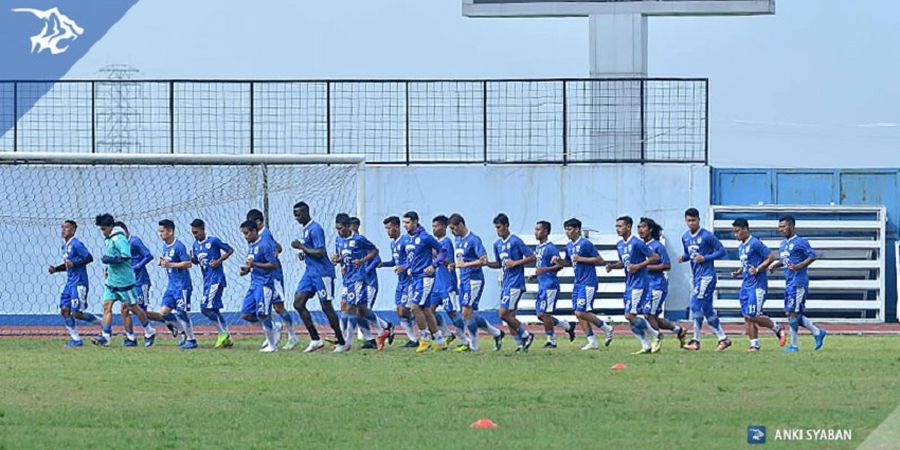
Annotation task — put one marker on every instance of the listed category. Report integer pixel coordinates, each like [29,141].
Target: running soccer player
[702,248]
[421,265]
[634,257]
[353,252]
[209,252]
[119,282]
[755,260]
[287,323]
[584,257]
[795,255]
[511,255]
[470,256]
[177,296]
[384,330]
[445,292]
[140,257]
[73,301]
[401,294]
[548,284]
[260,264]
[650,232]
[318,278]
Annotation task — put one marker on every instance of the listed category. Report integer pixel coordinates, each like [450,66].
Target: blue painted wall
[819,187]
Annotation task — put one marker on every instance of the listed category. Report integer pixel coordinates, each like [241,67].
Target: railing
[390,121]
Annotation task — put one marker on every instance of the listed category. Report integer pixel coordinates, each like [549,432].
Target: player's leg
[805,322]
[524,335]
[182,310]
[109,299]
[477,287]
[65,310]
[80,306]
[454,312]
[306,289]
[407,320]
[418,301]
[264,297]
[639,326]
[707,287]
[287,322]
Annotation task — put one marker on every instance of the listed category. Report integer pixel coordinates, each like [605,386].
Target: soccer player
[755,260]
[353,252]
[634,257]
[209,252]
[384,329]
[177,296]
[401,294]
[470,256]
[119,282]
[287,323]
[511,255]
[702,248]
[318,278]
[548,284]
[584,257]
[421,265]
[73,300]
[650,232]
[140,257]
[445,292]
[260,264]
[795,255]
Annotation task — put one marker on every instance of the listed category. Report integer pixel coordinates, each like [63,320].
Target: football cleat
[723,344]
[820,339]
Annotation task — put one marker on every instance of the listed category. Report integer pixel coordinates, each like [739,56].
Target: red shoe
[723,344]
[693,346]
[381,338]
[782,337]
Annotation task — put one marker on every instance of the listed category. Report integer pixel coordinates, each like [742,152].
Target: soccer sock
[472,325]
[269,331]
[364,328]
[352,323]
[777,328]
[288,324]
[754,343]
[221,325]
[107,330]
[809,325]
[342,318]
[592,339]
[186,324]
[523,333]
[645,343]
[551,338]
[676,330]
[70,327]
[442,324]
[589,332]
[638,332]
[410,329]
[426,335]
[210,314]
[603,326]
[562,324]
[148,329]
[90,318]
[516,337]
[372,318]
[795,329]
[439,337]
[698,326]
[713,321]
[129,331]
[487,326]
[460,326]
[647,329]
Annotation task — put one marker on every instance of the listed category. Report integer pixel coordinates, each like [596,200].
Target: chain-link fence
[390,121]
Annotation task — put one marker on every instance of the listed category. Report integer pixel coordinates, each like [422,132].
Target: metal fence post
[484,119]
[565,123]
[643,124]
[251,119]
[328,117]
[15,117]
[93,117]
[171,117]
[406,131]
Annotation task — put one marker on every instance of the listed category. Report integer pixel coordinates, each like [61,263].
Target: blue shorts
[795,298]
[212,296]
[177,299]
[141,294]
[355,293]
[510,296]
[401,294]
[702,295]
[371,295]
[752,300]
[545,302]
[445,299]
[322,287]
[654,299]
[278,286]
[470,293]
[634,300]
[583,297]
[258,301]
[74,298]
[421,291]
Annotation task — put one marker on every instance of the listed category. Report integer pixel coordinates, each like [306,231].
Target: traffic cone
[618,366]
[484,424]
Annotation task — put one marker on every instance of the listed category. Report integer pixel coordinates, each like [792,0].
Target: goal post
[41,190]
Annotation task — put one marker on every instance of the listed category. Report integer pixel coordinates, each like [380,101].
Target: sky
[815,85]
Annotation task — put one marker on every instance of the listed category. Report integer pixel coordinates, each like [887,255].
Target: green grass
[52,397]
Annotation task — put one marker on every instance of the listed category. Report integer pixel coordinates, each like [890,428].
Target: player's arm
[663,264]
[810,257]
[528,256]
[777,264]
[649,255]
[440,257]
[717,253]
[370,255]
[184,260]
[145,254]
[614,265]
[769,259]
[226,251]
[82,257]
[121,253]
[562,261]
[496,263]
[686,256]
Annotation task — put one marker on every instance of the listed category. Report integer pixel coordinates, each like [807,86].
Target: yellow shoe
[440,347]
[656,345]
[643,351]
[423,346]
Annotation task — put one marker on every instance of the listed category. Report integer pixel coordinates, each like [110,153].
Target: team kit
[440,280]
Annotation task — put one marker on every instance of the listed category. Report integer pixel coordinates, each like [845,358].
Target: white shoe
[341,348]
[291,344]
[313,346]
[591,346]
[268,349]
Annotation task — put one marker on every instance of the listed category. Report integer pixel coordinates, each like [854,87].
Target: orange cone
[484,424]
[618,366]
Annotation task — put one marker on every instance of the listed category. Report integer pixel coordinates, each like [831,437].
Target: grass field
[52,397]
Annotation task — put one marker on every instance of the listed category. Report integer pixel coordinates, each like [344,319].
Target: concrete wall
[596,194]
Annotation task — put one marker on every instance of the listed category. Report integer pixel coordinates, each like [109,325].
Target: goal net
[40,191]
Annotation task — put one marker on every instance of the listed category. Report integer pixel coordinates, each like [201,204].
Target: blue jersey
[314,238]
[261,251]
[75,251]
[420,250]
[469,248]
[545,253]
[512,248]
[634,251]
[752,253]
[585,274]
[658,280]
[706,244]
[140,257]
[372,271]
[444,278]
[352,248]
[179,279]
[210,249]
[794,251]
[398,258]
[267,235]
